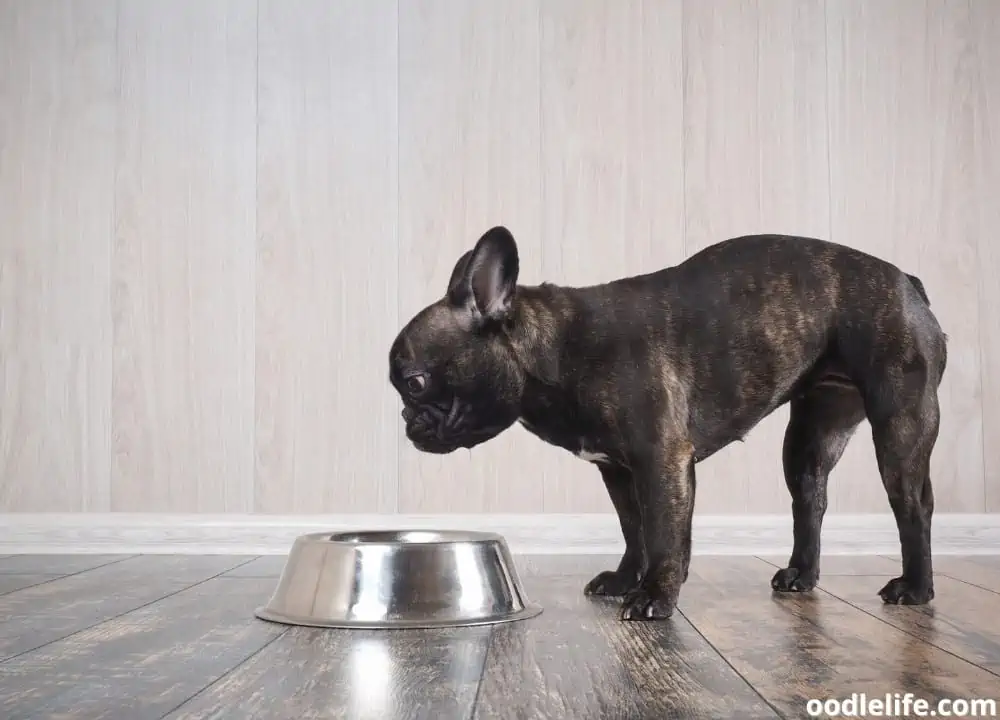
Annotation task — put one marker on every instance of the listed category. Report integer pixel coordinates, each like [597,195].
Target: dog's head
[452,364]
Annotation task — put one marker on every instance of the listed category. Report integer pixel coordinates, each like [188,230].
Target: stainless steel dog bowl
[398,579]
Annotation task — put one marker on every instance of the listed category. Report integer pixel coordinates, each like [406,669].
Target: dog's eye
[416,384]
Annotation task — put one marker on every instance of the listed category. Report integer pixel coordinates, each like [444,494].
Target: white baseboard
[126,533]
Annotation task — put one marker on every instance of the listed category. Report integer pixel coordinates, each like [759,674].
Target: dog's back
[748,322]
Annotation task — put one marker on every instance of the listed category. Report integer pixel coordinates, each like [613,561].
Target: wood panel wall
[216,214]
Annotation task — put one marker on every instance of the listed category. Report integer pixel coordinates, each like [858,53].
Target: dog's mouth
[444,427]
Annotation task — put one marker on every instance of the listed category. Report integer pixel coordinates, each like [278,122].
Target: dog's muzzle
[436,427]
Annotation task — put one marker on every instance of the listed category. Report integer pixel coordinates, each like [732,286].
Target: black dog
[646,376]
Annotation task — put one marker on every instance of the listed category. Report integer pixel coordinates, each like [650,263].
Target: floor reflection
[383,667]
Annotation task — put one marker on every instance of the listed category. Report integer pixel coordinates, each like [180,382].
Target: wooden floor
[174,637]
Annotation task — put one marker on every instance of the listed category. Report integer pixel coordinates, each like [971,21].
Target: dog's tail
[943,349]
[915,281]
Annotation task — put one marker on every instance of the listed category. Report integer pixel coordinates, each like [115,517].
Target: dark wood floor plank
[37,615]
[157,628]
[582,567]
[145,663]
[961,619]
[269,566]
[990,561]
[388,675]
[793,648]
[975,570]
[578,660]
[831,565]
[55,564]
[9,582]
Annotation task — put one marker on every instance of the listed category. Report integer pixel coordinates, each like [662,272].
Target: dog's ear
[458,273]
[484,279]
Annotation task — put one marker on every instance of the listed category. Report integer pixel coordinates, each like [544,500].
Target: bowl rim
[267,613]
[392,537]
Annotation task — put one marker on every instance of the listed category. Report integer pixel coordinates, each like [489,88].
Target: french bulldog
[646,376]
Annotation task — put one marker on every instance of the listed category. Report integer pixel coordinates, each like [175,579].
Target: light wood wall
[216,214]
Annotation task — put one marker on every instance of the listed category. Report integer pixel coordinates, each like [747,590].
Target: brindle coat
[646,376]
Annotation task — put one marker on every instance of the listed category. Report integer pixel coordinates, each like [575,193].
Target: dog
[646,376]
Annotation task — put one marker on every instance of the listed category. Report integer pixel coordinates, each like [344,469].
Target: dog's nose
[409,414]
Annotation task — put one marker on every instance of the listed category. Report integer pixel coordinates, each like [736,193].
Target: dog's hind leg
[821,424]
[904,433]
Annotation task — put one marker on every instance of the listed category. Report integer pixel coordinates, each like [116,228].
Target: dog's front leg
[621,489]
[665,489]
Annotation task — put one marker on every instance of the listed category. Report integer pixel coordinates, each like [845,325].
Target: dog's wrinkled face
[452,364]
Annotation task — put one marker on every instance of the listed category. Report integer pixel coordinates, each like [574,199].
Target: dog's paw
[641,604]
[611,583]
[792,580]
[900,591]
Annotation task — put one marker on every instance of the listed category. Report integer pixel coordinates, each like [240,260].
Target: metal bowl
[398,579]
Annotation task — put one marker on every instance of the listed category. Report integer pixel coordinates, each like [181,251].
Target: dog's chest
[569,427]
[583,447]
